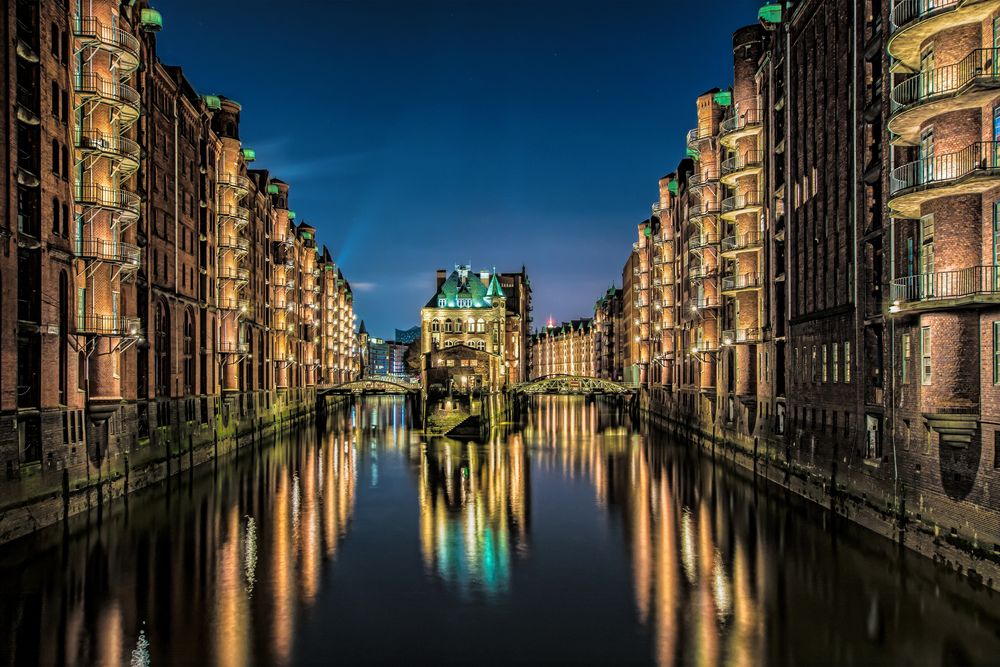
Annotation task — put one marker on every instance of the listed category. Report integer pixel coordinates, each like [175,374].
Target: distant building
[386,357]
[608,335]
[566,349]
[408,336]
[465,334]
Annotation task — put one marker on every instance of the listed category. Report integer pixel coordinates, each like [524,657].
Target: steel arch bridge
[373,386]
[574,385]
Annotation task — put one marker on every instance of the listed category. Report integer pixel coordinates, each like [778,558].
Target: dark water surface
[575,537]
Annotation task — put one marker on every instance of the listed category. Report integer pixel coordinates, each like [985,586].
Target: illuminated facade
[566,349]
[468,310]
[154,271]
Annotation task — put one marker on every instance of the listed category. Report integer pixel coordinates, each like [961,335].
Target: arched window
[480,325]
[188,352]
[435,326]
[447,326]
[161,325]
[63,337]
[458,326]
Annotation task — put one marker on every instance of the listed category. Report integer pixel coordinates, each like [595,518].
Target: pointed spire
[361,329]
[494,288]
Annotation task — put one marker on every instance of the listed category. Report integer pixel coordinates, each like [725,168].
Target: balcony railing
[99,196]
[121,95]
[234,273]
[699,303]
[112,252]
[980,66]
[703,209]
[748,241]
[748,160]
[234,303]
[742,281]
[742,119]
[742,336]
[698,135]
[907,11]
[231,347]
[108,325]
[972,281]
[703,240]
[659,209]
[234,181]
[739,203]
[700,272]
[235,243]
[238,213]
[981,158]
[93,32]
[705,345]
[703,177]
[92,141]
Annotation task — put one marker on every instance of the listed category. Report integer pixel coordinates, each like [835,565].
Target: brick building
[146,263]
[565,349]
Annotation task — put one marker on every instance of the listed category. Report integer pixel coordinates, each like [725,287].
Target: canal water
[574,537]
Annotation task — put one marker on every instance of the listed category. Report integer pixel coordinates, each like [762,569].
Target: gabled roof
[494,288]
[465,284]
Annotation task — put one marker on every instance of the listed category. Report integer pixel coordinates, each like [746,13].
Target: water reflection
[473,510]
[581,535]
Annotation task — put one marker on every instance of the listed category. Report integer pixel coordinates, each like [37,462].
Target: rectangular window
[925,355]
[813,365]
[847,361]
[824,364]
[905,364]
[996,352]
[836,362]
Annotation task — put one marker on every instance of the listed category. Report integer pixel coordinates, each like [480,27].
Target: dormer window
[442,302]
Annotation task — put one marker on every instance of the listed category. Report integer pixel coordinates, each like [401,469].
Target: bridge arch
[572,385]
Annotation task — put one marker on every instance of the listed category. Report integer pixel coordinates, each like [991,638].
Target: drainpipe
[176,195]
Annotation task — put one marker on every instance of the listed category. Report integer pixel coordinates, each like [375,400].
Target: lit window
[836,363]
[824,363]
[905,364]
[847,362]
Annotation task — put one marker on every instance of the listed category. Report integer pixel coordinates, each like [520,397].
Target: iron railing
[113,252]
[89,29]
[108,325]
[743,336]
[109,91]
[979,158]
[980,65]
[747,241]
[907,11]
[749,160]
[234,181]
[703,209]
[744,116]
[235,242]
[946,284]
[110,198]
[742,281]
[697,135]
[112,145]
[737,203]
[703,240]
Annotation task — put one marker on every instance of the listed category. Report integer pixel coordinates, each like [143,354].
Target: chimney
[441,277]
[484,276]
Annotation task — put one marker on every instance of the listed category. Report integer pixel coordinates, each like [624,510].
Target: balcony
[108,325]
[967,84]
[737,243]
[698,135]
[664,257]
[702,272]
[737,205]
[702,178]
[704,346]
[742,282]
[750,336]
[660,210]
[234,273]
[703,240]
[238,214]
[913,21]
[231,347]
[962,288]
[120,96]
[239,184]
[703,209]
[122,202]
[97,144]
[750,163]
[237,244]
[703,303]
[747,120]
[972,170]
[120,44]
[236,304]
[125,255]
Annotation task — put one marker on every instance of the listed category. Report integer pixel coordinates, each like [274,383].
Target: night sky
[417,134]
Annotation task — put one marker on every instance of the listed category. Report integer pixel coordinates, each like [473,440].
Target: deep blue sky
[417,134]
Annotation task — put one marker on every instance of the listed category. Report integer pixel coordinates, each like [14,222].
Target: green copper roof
[770,13]
[694,154]
[291,215]
[723,98]
[647,231]
[463,289]
[272,188]
[249,154]
[151,20]
[212,102]
[494,288]
[672,186]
